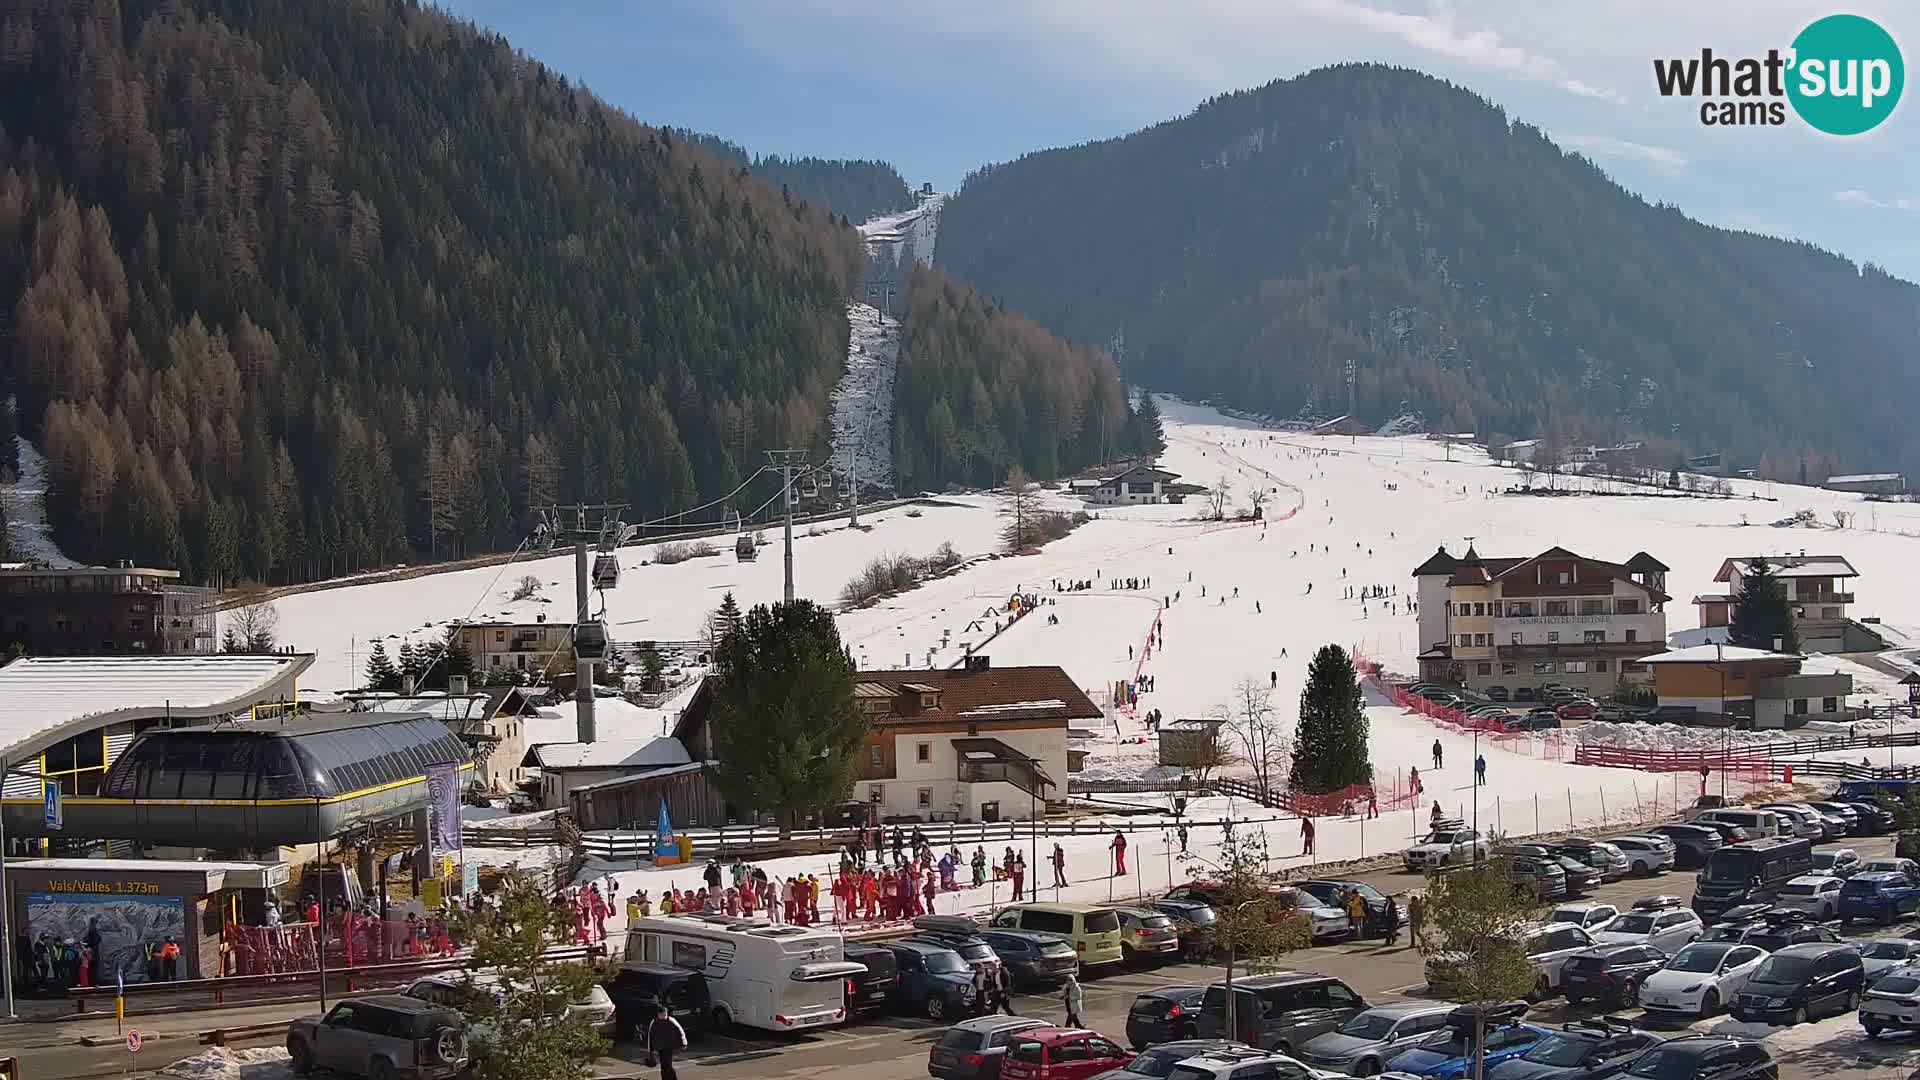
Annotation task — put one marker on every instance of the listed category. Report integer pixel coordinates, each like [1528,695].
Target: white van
[1756,824]
[777,978]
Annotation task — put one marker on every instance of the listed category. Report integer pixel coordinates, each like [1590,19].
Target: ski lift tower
[590,643]
[791,464]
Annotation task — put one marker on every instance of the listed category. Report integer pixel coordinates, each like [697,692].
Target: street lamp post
[1726,729]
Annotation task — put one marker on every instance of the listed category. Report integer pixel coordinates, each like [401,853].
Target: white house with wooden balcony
[1142,484]
[1819,589]
[1556,617]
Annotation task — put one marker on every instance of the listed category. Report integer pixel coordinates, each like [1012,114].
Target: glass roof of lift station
[326,756]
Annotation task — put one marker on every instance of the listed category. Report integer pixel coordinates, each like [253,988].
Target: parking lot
[895,1048]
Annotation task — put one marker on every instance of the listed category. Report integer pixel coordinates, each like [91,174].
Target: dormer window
[928,701]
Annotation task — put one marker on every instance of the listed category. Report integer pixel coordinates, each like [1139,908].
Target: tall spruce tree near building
[1150,434]
[1761,612]
[381,674]
[1330,741]
[785,729]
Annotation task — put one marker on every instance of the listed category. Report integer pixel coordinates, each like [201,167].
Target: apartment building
[1556,617]
[538,646]
[104,610]
[1819,588]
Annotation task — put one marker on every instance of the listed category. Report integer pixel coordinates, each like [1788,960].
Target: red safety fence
[352,940]
[1754,767]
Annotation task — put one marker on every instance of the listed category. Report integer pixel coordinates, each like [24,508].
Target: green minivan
[1094,931]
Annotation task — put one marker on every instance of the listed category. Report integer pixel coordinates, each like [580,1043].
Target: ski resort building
[1138,485]
[538,646]
[1819,590]
[1888,483]
[104,610]
[1749,686]
[1556,617]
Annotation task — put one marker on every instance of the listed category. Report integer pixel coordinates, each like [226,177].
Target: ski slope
[863,401]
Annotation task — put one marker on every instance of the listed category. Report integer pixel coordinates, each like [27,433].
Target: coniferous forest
[855,190]
[1469,272]
[289,289]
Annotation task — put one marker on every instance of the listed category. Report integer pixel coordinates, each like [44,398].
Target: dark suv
[1032,957]
[638,989]
[869,993]
[387,1037]
[1279,1011]
[1586,1049]
[1610,973]
[934,982]
[1719,1057]
[962,935]
[1165,1014]
[1801,982]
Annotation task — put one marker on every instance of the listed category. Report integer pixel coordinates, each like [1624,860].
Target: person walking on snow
[1413,781]
[1059,867]
[1436,754]
[1306,836]
[1480,769]
[1074,999]
[1119,847]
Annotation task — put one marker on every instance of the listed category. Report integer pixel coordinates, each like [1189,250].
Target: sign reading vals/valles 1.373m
[1842,75]
[114,888]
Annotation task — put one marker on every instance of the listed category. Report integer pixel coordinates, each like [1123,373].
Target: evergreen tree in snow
[381,674]
[1150,434]
[412,663]
[724,620]
[1761,612]
[1330,742]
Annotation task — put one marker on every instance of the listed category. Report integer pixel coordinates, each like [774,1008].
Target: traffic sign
[50,795]
[133,1042]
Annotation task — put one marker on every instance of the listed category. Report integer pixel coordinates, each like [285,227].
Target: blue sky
[941,88]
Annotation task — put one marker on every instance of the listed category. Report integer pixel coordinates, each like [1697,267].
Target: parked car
[1328,921]
[1646,855]
[1280,1011]
[1721,1057]
[1544,717]
[1847,812]
[1875,820]
[595,1008]
[1194,920]
[1361,1046]
[1817,895]
[1800,821]
[1735,922]
[934,981]
[1583,1049]
[1801,982]
[1448,843]
[1238,1062]
[1033,958]
[973,1049]
[1906,868]
[1057,1053]
[1327,890]
[1496,693]
[1699,980]
[1610,973]
[871,992]
[1880,957]
[1548,946]
[1729,834]
[381,1037]
[1777,929]
[1580,878]
[1590,917]
[1575,710]
[1525,693]
[1703,804]
[962,935]
[1158,1062]
[1691,843]
[1839,862]
[1146,935]
[1094,931]
[1664,928]
[1892,1003]
[1880,895]
[637,991]
[1165,1014]
[1448,1054]
[1602,856]
[1543,879]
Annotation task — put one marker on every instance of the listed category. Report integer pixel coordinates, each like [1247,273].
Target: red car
[1061,1054]
[1576,710]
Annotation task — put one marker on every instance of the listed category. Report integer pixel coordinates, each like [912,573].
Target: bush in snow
[679,551]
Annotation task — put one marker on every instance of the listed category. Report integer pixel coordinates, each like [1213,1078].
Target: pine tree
[1150,435]
[381,674]
[725,619]
[1761,612]
[411,663]
[785,729]
[1330,748]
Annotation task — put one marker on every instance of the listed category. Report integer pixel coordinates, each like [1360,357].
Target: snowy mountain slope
[863,401]
[29,538]
[907,237]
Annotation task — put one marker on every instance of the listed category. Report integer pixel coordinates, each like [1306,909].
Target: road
[895,1048]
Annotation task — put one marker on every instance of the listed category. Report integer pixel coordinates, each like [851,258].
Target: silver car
[1646,854]
[1362,1043]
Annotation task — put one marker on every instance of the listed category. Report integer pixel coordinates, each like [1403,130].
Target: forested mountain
[979,389]
[1466,267]
[856,190]
[289,288]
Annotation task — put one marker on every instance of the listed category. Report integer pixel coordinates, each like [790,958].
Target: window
[1627,606]
[1600,667]
[1561,577]
[1545,667]
[1829,704]
[1592,607]
[1556,607]
[923,752]
[1521,609]
[924,797]
[1595,637]
[876,794]
[1553,635]
[1068,1051]
[1479,609]
[1487,669]
[1465,640]
[1482,639]
[1509,669]
[1516,637]
[1633,666]
[1574,667]
[1633,636]
[1340,997]
[1800,706]
[1102,1049]
[499,637]
[876,756]
[689,954]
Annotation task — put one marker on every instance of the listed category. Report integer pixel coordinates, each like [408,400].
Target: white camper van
[778,978]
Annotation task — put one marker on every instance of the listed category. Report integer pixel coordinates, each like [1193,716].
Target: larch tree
[784,726]
[1020,506]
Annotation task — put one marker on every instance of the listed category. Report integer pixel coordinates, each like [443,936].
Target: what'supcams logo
[1842,76]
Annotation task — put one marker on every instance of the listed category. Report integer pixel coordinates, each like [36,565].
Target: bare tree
[1258,496]
[526,587]
[1840,519]
[1021,507]
[1262,735]
[1217,499]
[251,628]
[1210,750]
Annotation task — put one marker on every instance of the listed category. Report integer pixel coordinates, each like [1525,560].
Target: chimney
[406,685]
[456,686]
[542,617]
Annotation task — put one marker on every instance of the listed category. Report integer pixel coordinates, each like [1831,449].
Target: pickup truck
[1449,844]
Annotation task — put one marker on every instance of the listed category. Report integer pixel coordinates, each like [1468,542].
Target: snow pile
[220,1063]
[863,402]
[1673,736]
[29,538]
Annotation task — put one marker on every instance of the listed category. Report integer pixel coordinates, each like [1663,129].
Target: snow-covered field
[28,535]
[1346,528]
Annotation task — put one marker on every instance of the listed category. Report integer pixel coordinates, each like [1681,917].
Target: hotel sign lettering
[1556,620]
